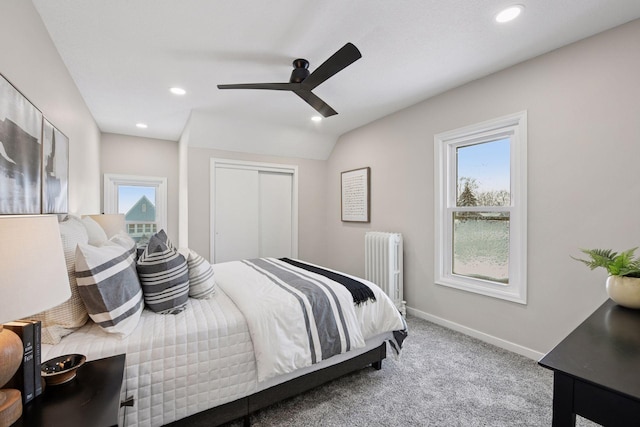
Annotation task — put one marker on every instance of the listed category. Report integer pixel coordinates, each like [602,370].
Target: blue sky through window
[488,163]
[129,195]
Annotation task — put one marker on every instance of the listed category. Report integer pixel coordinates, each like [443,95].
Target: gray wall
[30,61]
[132,155]
[583,153]
[311,200]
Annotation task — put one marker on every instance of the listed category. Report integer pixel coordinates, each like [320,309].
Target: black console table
[597,369]
[92,398]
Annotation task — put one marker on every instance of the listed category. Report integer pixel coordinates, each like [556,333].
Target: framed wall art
[20,152]
[55,170]
[356,199]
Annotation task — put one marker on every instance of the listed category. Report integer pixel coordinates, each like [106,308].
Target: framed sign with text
[355,195]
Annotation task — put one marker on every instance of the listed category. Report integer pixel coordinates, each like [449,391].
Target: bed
[220,359]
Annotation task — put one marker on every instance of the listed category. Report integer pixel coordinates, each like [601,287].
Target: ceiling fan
[302,82]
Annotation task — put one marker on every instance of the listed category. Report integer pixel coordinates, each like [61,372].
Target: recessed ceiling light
[316,118]
[177,91]
[509,13]
[141,125]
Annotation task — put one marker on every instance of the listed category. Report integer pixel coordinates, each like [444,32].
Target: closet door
[275,214]
[236,217]
[254,210]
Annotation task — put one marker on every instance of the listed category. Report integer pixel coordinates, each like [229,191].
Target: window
[143,201]
[481,234]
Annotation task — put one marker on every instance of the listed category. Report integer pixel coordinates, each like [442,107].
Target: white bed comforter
[176,365]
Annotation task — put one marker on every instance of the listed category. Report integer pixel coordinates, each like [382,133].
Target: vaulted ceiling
[124,55]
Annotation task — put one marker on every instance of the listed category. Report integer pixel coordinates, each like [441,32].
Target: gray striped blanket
[296,317]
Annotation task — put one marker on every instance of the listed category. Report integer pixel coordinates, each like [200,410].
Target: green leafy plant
[617,264]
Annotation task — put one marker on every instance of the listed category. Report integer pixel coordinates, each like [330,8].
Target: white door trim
[261,167]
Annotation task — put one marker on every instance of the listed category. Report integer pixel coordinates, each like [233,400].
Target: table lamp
[33,278]
[110,223]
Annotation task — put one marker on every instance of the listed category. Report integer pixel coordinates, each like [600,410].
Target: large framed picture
[356,199]
[20,152]
[55,170]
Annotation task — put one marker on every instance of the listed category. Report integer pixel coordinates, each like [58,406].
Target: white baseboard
[498,342]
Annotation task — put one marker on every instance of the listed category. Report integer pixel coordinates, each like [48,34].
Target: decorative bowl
[61,369]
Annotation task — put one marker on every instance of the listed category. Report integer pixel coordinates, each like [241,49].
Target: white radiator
[383,264]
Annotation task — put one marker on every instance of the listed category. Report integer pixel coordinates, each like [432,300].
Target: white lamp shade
[33,272]
[112,224]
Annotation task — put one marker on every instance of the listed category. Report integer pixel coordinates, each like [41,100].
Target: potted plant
[623,283]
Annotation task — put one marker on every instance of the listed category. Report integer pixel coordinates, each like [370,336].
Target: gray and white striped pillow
[108,284]
[202,283]
[164,277]
[162,236]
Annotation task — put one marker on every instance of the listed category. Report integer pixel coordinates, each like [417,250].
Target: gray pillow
[108,284]
[162,236]
[164,277]
[202,283]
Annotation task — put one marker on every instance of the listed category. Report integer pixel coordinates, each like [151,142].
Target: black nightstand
[595,369]
[92,398]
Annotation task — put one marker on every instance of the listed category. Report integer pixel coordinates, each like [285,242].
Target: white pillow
[109,285]
[96,234]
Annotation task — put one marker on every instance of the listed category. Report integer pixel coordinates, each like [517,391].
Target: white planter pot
[625,291]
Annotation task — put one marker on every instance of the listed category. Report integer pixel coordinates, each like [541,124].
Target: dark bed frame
[245,406]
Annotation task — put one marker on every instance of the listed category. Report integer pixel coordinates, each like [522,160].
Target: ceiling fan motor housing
[300,71]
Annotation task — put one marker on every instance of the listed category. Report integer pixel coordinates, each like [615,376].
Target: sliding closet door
[235,212]
[254,210]
[275,214]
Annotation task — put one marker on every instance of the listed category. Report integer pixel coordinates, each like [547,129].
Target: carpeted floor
[443,378]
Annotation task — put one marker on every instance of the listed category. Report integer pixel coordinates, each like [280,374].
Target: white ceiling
[124,55]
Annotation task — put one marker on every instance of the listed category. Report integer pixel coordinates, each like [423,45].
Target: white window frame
[112,181]
[514,127]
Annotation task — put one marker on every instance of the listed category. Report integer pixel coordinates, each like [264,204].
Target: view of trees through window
[480,226]
[468,194]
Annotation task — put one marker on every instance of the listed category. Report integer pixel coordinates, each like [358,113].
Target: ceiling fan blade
[268,86]
[318,104]
[345,56]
